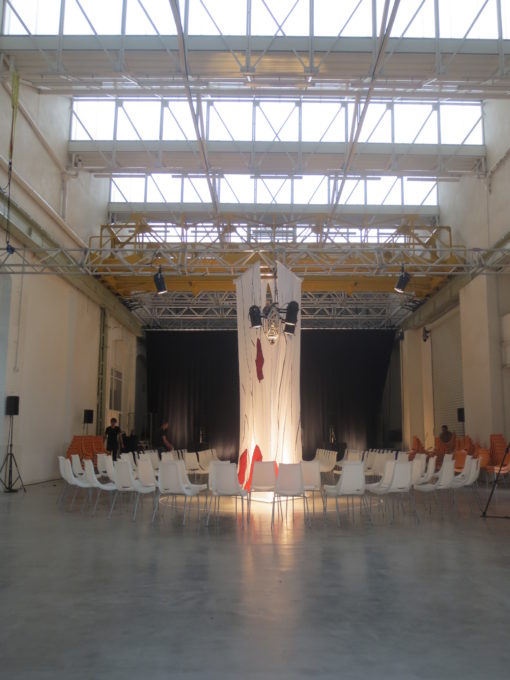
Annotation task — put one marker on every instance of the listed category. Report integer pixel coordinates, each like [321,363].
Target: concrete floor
[84,597]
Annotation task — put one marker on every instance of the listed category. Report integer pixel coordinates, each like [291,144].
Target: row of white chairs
[292,480]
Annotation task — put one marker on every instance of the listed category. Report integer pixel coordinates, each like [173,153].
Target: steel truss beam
[209,310]
[432,67]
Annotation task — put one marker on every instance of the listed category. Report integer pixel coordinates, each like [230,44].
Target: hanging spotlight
[291,318]
[255,316]
[402,282]
[159,282]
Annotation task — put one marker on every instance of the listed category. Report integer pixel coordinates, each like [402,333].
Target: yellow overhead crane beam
[126,255]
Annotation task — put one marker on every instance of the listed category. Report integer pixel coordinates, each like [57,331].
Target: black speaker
[12,406]
[88,416]
[460,415]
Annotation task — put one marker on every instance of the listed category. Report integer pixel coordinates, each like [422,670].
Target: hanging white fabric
[270,412]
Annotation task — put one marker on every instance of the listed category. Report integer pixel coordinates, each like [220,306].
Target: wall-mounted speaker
[88,416]
[460,415]
[11,406]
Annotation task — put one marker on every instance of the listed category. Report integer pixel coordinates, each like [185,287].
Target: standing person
[113,438]
[164,443]
[447,438]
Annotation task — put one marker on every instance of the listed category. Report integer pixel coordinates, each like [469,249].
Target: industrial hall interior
[254,338]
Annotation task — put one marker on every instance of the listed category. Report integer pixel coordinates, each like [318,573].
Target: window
[115,403]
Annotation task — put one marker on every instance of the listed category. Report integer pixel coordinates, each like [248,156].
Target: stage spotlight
[425,334]
[255,316]
[402,282]
[159,282]
[291,318]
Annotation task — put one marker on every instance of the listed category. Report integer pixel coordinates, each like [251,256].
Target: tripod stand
[9,460]
[494,484]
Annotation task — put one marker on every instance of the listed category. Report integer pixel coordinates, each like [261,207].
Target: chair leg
[156,505]
[337,511]
[116,493]
[72,500]
[242,511]
[136,506]
[272,513]
[97,499]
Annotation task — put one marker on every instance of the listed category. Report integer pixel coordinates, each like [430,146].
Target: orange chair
[497,455]
[464,444]
[459,458]
[417,445]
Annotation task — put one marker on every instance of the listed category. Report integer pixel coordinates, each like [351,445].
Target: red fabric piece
[257,456]
[243,462]
[259,361]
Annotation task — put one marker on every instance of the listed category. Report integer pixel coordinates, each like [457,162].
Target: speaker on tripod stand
[10,466]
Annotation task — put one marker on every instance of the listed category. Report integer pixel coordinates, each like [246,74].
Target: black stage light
[291,318]
[402,282]
[159,282]
[255,316]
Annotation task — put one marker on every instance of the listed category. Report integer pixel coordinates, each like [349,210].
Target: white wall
[44,173]
[50,330]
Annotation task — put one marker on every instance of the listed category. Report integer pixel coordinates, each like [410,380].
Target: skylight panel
[414,19]
[217,17]
[346,18]
[323,121]
[32,16]
[177,121]
[237,189]
[311,189]
[277,121]
[127,190]
[456,19]
[274,190]
[280,17]
[149,17]
[461,124]
[230,120]
[420,192]
[138,120]
[92,119]
[195,190]
[163,188]
[384,191]
[93,16]
[415,123]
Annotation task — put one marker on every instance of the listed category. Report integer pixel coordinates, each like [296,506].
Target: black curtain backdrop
[342,381]
[193,381]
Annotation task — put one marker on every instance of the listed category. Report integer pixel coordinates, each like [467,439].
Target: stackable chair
[94,483]
[289,484]
[225,483]
[444,481]
[429,472]
[101,464]
[263,480]
[76,466]
[204,460]
[63,473]
[172,483]
[351,484]
[311,478]
[126,483]
[327,460]
[76,482]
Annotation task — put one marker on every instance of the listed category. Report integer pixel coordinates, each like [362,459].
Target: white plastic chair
[263,479]
[225,483]
[289,484]
[171,484]
[101,463]
[444,480]
[76,466]
[311,478]
[154,458]
[385,481]
[326,458]
[94,483]
[191,462]
[351,484]
[73,480]
[64,475]
[430,471]
[204,460]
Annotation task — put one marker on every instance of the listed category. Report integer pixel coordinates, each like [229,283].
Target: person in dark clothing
[164,443]
[113,438]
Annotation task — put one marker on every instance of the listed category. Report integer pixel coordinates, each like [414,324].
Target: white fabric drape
[269,408]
